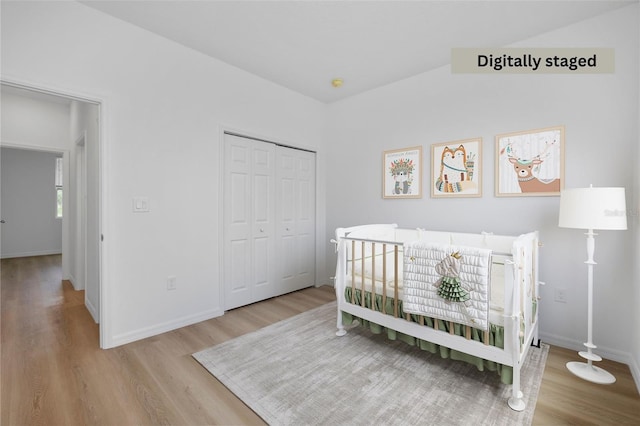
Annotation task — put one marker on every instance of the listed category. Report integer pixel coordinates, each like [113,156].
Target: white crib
[370,275]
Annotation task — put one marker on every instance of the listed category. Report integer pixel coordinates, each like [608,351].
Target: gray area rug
[298,372]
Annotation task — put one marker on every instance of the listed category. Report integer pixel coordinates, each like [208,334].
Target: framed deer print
[402,173]
[530,163]
[456,169]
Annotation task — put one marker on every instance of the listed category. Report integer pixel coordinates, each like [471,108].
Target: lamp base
[591,373]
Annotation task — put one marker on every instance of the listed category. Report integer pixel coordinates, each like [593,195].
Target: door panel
[237,249]
[286,213]
[263,284]
[238,277]
[261,267]
[306,220]
[295,173]
[248,221]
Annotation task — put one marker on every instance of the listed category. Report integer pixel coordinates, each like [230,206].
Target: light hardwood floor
[53,372]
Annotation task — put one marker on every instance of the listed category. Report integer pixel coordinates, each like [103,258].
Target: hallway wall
[29,204]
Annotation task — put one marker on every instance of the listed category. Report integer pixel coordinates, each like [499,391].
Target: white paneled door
[248,221]
[295,215]
[269,220]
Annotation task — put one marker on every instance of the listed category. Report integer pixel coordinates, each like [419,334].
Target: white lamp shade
[593,208]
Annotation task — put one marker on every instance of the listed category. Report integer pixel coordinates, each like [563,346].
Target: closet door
[295,215]
[248,221]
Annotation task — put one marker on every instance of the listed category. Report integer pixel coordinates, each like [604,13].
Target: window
[59,187]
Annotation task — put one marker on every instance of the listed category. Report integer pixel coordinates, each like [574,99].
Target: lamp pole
[587,370]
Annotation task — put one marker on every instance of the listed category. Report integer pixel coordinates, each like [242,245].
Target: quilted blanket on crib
[448,282]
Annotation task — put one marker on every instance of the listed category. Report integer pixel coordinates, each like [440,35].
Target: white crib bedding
[468,276]
[496,306]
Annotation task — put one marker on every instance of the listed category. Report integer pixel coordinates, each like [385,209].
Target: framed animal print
[402,173]
[530,163]
[456,169]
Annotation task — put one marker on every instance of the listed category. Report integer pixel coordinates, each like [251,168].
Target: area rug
[298,372]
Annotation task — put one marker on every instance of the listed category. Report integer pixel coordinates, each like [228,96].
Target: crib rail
[370,246]
[362,249]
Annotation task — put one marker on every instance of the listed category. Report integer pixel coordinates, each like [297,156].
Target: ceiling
[304,45]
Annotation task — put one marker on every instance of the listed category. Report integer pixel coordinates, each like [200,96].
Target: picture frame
[530,163]
[456,169]
[402,173]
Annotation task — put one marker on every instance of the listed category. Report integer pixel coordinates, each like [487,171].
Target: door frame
[81,207]
[102,174]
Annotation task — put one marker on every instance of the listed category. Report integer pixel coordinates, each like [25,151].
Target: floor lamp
[600,209]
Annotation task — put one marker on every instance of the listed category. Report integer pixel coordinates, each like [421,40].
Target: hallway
[45,328]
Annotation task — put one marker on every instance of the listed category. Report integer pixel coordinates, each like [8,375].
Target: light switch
[140,204]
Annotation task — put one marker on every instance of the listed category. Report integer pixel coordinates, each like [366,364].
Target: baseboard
[30,254]
[143,333]
[74,282]
[635,372]
[604,352]
[92,310]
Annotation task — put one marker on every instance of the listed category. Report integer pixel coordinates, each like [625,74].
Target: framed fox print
[456,169]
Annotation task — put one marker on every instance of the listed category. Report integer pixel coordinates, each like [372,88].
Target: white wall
[600,114]
[33,122]
[29,204]
[163,110]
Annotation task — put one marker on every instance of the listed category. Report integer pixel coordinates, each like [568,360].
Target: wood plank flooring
[53,372]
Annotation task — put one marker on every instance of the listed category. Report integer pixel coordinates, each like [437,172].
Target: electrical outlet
[171,282]
[561,295]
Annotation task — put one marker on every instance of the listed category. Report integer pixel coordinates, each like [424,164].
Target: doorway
[30,117]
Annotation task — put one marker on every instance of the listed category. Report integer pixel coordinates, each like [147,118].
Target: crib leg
[516,402]
[341,331]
